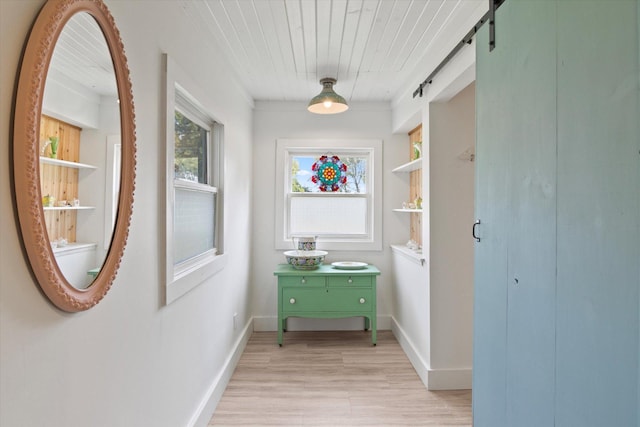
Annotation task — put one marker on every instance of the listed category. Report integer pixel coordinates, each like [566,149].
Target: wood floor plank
[334,378]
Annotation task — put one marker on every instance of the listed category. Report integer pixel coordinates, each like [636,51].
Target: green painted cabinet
[326,293]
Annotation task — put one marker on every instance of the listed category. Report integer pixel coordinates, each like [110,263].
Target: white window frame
[372,148]
[112,186]
[185,276]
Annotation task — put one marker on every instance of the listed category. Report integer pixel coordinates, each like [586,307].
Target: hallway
[334,378]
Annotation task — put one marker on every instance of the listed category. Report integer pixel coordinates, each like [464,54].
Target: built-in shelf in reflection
[407,210]
[67,208]
[65,163]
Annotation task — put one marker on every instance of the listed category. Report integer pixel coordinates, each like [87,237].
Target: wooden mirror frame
[26,153]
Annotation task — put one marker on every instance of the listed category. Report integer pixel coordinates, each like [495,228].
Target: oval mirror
[74,151]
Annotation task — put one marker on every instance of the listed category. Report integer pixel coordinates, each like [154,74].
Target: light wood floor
[337,379]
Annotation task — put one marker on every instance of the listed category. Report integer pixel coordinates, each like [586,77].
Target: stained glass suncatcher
[330,173]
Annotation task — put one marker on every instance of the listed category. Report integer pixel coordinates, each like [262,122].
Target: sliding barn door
[516,203]
[598,236]
[557,269]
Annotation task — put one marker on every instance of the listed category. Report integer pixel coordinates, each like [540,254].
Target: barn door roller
[489,16]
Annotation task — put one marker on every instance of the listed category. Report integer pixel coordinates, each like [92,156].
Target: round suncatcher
[329,173]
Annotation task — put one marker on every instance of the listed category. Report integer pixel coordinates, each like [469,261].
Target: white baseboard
[212,397]
[419,364]
[433,379]
[450,379]
[270,324]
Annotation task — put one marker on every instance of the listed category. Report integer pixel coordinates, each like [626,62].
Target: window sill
[189,279]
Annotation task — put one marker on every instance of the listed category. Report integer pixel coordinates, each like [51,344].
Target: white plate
[349,265]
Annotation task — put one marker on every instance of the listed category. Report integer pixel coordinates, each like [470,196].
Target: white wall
[273,120]
[129,361]
[92,184]
[70,102]
[434,303]
[411,312]
[421,322]
[451,202]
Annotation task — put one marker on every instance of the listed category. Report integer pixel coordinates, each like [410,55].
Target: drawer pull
[362,300]
[292,301]
[350,280]
[303,281]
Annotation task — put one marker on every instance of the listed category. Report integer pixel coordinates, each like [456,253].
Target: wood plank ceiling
[81,57]
[377,49]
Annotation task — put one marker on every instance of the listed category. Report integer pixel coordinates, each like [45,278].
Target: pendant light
[327,102]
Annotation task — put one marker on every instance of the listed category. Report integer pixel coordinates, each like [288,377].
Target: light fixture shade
[327,102]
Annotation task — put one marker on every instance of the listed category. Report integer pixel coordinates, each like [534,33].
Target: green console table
[326,293]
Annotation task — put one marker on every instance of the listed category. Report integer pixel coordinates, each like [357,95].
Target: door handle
[473,230]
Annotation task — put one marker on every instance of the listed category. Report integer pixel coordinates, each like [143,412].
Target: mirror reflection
[80,150]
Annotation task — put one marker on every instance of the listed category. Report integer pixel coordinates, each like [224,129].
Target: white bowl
[305,260]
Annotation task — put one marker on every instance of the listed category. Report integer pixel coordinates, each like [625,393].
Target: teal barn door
[557,267]
[598,236]
[490,254]
[514,343]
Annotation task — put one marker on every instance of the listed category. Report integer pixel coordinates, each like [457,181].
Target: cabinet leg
[280,330]
[366,324]
[374,335]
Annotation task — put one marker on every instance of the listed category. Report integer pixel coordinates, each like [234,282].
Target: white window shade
[194,224]
[323,215]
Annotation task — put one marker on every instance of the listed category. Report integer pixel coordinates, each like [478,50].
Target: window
[194,192]
[112,186]
[346,219]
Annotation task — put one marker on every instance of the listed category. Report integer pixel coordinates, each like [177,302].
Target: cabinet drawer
[350,281]
[327,300]
[302,281]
